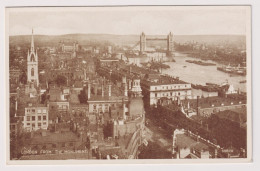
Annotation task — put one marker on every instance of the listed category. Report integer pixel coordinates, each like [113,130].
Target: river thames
[193,73]
[198,74]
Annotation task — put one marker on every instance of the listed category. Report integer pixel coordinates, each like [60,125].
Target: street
[159,143]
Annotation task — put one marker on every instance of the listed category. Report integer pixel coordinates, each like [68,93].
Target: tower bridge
[169,39]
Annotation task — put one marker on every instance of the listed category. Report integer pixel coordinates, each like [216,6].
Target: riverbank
[197,55]
[156,66]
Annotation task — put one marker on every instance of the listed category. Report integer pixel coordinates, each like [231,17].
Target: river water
[198,74]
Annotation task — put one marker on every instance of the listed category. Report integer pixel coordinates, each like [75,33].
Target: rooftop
[106,98]
[209,102]
[163,80]
[54,138]
[184,141]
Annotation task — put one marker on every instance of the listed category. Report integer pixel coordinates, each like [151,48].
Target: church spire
[32,43]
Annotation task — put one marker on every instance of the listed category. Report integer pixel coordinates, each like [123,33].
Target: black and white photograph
[135,83]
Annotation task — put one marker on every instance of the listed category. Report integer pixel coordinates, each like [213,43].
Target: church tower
[136,90]
[32,65]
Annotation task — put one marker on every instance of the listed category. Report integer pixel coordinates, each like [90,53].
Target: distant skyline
[189,20]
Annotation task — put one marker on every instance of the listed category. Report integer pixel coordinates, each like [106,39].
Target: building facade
[171,89]
[36,117]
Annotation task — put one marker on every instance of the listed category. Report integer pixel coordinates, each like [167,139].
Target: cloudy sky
[128,20]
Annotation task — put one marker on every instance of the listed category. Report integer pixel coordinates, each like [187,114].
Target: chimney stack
[124,109]
[102,90]
[126,92]
[130,84]
[95,89]
[124,79]
[89,90]
[216,153]
[198,105]
[109,90]
[16,104]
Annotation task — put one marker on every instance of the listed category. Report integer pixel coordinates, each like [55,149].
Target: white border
[255,69]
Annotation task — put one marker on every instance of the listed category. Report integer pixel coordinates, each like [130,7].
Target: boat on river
[233,70]
[200,63]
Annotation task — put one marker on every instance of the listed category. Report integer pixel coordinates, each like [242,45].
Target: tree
[61,80]
[43,97]
[12,106]
[23,78]
[88,142]
[83,97]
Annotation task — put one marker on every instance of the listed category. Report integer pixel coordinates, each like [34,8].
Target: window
[179,93]
[39,111]
[44,123]
[28,110]
[33,110]
[63,145]
[44,117]
[155,88]
[28,124]
[32,72]
[33,125]
[28,118]
[155,94]
[33,118]
[39,118]
[94,107]
[39,124]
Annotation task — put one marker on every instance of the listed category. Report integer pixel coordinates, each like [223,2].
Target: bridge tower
[170,44]
[142,43]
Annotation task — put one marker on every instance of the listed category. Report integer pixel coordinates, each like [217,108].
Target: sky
[189,20]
